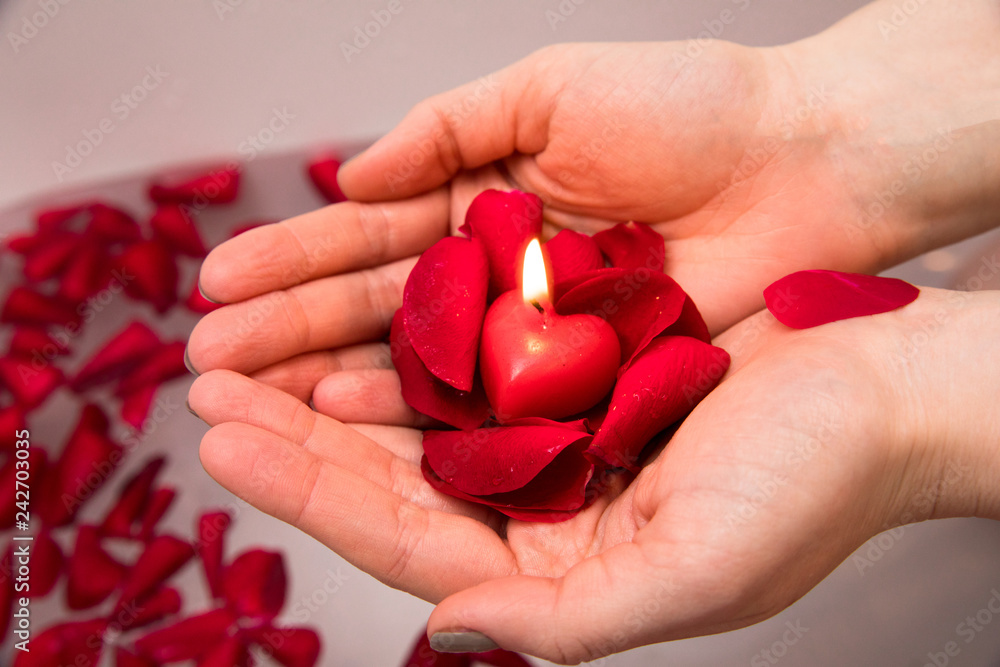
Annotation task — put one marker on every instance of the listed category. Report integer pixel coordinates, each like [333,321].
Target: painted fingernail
[462,642]
[207,297]
[187,363]
[192,411]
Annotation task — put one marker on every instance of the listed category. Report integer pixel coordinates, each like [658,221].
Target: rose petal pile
[537,469]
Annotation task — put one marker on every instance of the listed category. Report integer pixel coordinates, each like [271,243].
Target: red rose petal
[37,462]
[125,658]
[427,394]
[810,298]
[505,222]
[112,225]
[25,244]
[572,254]
[57,219]
[165,364]
[51,257]
[228,653]
[73,643]
[188,638]
[499,459]
[159,503]
[133,499]
[34,342]
[92,572]
[663,384]
[212,527]
[29,380]
[197,303]
[633,245]
[161,558]
[163,602]
[255,584]
[639,305]
[219,186]
[175,227]
[444,303]
[27,307]
[46,564]
[149,273]
[137,404]
[87,272]
[323,174]
[11,422]
[292,647]
[117,357]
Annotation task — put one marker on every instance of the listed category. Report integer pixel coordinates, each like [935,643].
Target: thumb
[602,605]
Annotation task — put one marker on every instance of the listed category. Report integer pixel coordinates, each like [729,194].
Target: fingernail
[462,642]
[192,411]
[187,362]
[207,297]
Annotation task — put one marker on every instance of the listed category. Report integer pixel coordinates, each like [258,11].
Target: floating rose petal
[25,244]
[37,461]
[150,273]
[664,383]
[57,219]
[572,255]
[633,246]
[197,303]
[29,380]
[34,342]
[639,310]
[212,527]
[255,584]
[46,564]
[188,638]
[133,498]
[117,357]
[228,653]
[161,558]
[219,186]
[27,307]
[810,298]
[87,272]
[166,363]
[136,405]
[125,658]
[112,225]
[75,643]
[175,227]
[93,573]
[163,602]
[504,222]
[159,503]
[323,174]
[292,647]
[430,395]
[444,302]
[50,258]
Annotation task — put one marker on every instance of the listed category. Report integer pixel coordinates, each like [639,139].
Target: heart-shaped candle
[535,362]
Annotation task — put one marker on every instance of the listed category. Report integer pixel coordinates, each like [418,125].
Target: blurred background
[152,87]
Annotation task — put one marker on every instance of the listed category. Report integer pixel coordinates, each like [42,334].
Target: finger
[326,313]
[366,396]
[299,375]
[425,552]
[331,240]
[467,127]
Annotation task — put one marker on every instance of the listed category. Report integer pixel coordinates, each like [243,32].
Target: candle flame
[534,281]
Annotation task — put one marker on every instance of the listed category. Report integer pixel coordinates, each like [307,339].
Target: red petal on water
[46,564]
[212,527]
[255,584]
[188,638]
[117,357]
[498,459]
[228,653]
[197,303]
[633,245]
[37,462]
[87,272]
[427,394]
[29,380]
[572,254]
[444,303]
[11,422]
[163,602]
[640,306]
[149,273]
[27,307]
[112,225]
[810,298]
[292,647]
[125,658]
[74,643]
[323,174]
[663,384]
[34,342]
[161,558]
[136,405]
[55,219]
[218,186]
[173,226]
[133,498]
[159,503]
[166,363]
[49,259]
[423,655]
[92,572]
[25,244]
[505,222]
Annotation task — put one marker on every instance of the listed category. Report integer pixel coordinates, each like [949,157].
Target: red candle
[537,363]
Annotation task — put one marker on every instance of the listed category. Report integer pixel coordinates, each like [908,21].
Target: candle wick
[537,306]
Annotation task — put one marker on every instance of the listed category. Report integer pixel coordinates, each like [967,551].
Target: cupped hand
[815,441]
